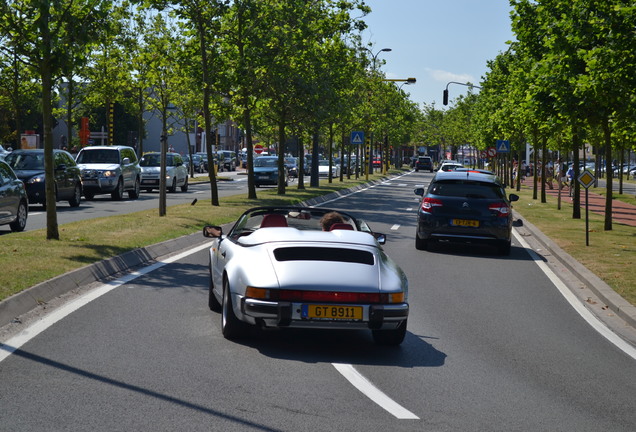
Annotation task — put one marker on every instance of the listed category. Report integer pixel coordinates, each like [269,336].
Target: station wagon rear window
[324,254]
[466,189]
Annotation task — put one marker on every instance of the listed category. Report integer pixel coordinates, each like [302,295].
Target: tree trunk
[607,135]
[52,232]
[576,197]
[281,153]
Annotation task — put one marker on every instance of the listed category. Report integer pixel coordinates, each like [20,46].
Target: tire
[76,199]
[231,326]
[173,186]
[213,303]
[118,193]
[21,218]
[420,244]
[390,337]
[184,188]
[504,248]
[134,194]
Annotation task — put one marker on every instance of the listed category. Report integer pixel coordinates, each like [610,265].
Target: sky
[437,41]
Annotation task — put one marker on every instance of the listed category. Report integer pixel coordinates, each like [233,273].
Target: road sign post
[586,179]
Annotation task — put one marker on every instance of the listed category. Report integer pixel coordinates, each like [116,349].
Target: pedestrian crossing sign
[357,137]
[503,146]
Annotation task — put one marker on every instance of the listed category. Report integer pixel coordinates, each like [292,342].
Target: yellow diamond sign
[586,179]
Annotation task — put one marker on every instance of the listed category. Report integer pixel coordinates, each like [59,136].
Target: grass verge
[610,255]
[28,258]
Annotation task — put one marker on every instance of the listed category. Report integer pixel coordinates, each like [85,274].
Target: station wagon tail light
[500,208]
[429,203]
[323,296]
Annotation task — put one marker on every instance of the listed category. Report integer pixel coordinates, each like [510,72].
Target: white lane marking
[372,392]
[39,326]
[360,382]
[395,227]
[594,322]
[409,209]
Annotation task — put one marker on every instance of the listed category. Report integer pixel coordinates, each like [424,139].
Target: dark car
[292,167]
[197,163]
[227,160]
[266,171]
[28,165]
[424,163]
[14,203]
[467,206]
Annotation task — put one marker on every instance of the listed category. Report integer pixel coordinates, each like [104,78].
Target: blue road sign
[357,137]
[503,146]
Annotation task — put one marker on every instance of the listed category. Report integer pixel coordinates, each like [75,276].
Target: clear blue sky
[437,41]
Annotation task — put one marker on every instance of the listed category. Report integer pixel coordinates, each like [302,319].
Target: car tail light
[501,208]
[323,296]
[429,203]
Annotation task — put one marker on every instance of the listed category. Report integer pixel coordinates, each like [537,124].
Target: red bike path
[622,212]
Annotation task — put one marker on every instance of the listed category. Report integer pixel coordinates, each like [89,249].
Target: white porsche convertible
[301,267]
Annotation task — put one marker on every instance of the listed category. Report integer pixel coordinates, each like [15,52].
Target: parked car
[266,171]
[277,268]
[467,206]
[203,162]
[227,160]
[28,165]
[109,169]
[196,162]
[323,169]
[14,202]
[176,172]
[424,163]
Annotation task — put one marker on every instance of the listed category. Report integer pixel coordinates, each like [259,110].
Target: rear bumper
[287,314]
[439,228]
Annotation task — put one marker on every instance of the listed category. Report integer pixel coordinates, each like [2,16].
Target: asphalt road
[492,345]
[103,205]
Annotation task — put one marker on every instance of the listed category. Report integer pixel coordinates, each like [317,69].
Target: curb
[102,271]
[38,295]
[42,293]
[615,302]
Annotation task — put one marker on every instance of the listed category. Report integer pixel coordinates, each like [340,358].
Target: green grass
[611,254]
[28,258]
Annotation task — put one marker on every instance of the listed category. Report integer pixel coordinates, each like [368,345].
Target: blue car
[266,171]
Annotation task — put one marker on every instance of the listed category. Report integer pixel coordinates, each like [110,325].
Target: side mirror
[126,161]
[60,167]
[212,231]
[513,197]
[381,238]
[419,191]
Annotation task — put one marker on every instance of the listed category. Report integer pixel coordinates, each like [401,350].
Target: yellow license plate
[465,222]
[333,312]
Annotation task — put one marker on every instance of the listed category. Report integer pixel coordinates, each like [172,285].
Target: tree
[45,38]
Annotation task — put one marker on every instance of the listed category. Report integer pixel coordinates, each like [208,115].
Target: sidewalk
[622,212]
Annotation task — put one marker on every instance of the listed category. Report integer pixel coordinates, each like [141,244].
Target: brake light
[501,208]
[323,296]
[429,203]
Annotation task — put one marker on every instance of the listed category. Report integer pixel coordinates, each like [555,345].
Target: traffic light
[446,97]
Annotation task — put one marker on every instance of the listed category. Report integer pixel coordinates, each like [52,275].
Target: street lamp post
[374,57]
